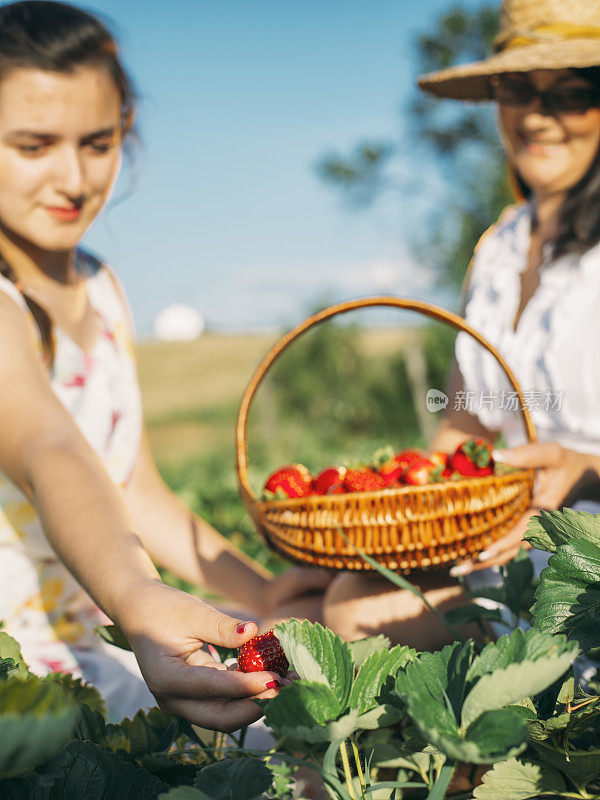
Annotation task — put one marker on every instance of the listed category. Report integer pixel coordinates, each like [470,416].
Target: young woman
[83,512]
[533,292]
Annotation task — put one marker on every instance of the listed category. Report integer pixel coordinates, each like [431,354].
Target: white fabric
[555,347]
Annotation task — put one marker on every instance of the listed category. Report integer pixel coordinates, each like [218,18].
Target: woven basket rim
[392,491]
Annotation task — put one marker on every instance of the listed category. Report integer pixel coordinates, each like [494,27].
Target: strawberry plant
[370,720]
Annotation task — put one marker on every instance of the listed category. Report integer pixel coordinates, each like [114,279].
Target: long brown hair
[57,37]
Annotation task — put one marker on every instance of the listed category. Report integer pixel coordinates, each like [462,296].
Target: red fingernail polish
[241,627]
[272,684]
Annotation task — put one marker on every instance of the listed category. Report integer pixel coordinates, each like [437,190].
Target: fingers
[535,454]
[211,625]
[216,715]
[177,679]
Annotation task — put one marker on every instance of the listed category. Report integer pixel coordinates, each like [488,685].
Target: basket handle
[428,310]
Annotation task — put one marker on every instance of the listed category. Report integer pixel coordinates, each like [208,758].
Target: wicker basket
[403,528]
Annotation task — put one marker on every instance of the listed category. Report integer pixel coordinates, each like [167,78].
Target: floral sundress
[41,603]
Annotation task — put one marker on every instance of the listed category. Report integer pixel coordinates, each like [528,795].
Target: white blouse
[555,351]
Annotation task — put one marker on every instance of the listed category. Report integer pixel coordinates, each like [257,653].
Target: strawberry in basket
[473,458]
[391,466]
[422,471]
[293,480]
[363,479]
[330,481]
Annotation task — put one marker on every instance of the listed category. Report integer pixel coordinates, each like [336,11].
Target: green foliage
[234,779]
[36,719]
[518,780]
[568,597]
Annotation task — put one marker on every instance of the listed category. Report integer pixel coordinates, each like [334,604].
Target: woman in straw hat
[533,292]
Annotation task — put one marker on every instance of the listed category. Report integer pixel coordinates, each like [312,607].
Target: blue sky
[238,102]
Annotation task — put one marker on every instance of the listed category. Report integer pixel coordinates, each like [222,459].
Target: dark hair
[579,216]
[57,37]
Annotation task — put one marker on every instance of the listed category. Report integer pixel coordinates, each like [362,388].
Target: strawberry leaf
[183,793]
[318,655]
[234,779]
[94,773]
[551,529]
[302,704]
[36,719]
[373,674]
[568,597]
[113,635]
[521,679]
[518,780]
[9,649]
[361,649]
[581,766]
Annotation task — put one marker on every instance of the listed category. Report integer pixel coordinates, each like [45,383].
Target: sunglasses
[556,100]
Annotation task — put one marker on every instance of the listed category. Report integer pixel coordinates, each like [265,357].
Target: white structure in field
[178,323]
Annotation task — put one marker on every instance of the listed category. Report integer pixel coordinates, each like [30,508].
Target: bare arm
[188,546]
[87,523]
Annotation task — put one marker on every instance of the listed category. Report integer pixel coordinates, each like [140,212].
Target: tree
[460,138]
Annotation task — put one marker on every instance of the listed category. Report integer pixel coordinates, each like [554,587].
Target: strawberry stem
[347,773]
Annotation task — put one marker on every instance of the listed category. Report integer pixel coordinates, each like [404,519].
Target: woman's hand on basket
[560,472]
[167,629]
[501,551]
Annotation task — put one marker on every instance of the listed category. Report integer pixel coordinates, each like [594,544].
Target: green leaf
[301,705]
[362,648]
[113,635]
[568,597]
[91,772]
[36,719]
[318,656]
[183,793]
[517,647]
[518,579]
[234,779]
[498,734]
[146,731]
[465,615]
[9,648]
[581,766]
[19,789]
[518,780]
[78,690]
[520,679]
[551,529]
[373,674]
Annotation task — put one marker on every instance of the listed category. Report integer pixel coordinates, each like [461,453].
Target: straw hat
[534,34]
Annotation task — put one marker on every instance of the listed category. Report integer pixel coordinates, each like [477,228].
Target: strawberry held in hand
[263,653]
[473,458]
[293,480]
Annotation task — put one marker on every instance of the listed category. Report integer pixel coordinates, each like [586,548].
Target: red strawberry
[336,488]
[473,457]
[293,480]
[406,457]
[420,472]
[331,476]
[363,479]
[263,652]
[439,458]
